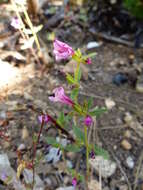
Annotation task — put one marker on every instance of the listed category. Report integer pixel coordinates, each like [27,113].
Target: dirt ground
[111,127]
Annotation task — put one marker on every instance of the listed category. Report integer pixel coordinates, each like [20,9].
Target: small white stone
[4,161]
[66,188]
[109,103]
[62,141]
[53,155]
[21,147]
[130,162]
[94,185]
[128,118]
[93,44]
[105,167]
[113,2]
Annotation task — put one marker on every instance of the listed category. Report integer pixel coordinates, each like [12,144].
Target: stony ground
[119,131]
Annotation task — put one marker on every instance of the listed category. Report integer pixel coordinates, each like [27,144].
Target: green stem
[87,151]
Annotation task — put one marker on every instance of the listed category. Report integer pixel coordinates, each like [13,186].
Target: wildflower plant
[78,111]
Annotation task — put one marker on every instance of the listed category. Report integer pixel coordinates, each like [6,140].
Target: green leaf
[74,93]
[79,75]
[90,102]
[79,134]
[101,152]
[72,148]
[97,111]
[61,118]
[52,141]
[70,79]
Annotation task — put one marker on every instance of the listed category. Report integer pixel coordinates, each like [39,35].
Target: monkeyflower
[74,182]
[15,23]
[59,96]
[62,50]
[44,118]
[88,61]
[88,121]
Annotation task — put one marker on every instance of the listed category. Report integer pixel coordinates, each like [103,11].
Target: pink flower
[88,121]
[59,96]
[62,50]
[74,182]
[88,61]
[43,117]
[15,23]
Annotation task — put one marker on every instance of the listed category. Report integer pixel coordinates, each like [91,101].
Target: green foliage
[89,103]
[70,79]
[101,152]
[97,111]
[135,7]
[72,148]
[74,93]
[79,134]
[52,141]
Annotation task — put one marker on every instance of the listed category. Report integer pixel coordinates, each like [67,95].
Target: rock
[67,180]
[53,155]
[27,96]
[25,133]
[119,79]
[21,147]
[128,118]
[3,115]
[62,141]
[48,181]
[130,162]
[127,134]
[126,145]
[8,174]
[137,127]
[94,44]
[139,85]
[66,188]
[105,167]
[123,187]
[94,185]
[28,176]
[4,160]
[109,103]
[113,2]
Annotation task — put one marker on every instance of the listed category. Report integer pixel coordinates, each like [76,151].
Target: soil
[37,85]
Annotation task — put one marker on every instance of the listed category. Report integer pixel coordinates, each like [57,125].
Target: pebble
[93,44]
[28,177]
[123,187]
[130,162]
[139,85]
[21,147]
[128,118]
[126,145]
[109,103]
[94,185]
[119,79]
[127,134]
[25,133]
[113,2]
[54,155]
[106,167]
[66,188]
